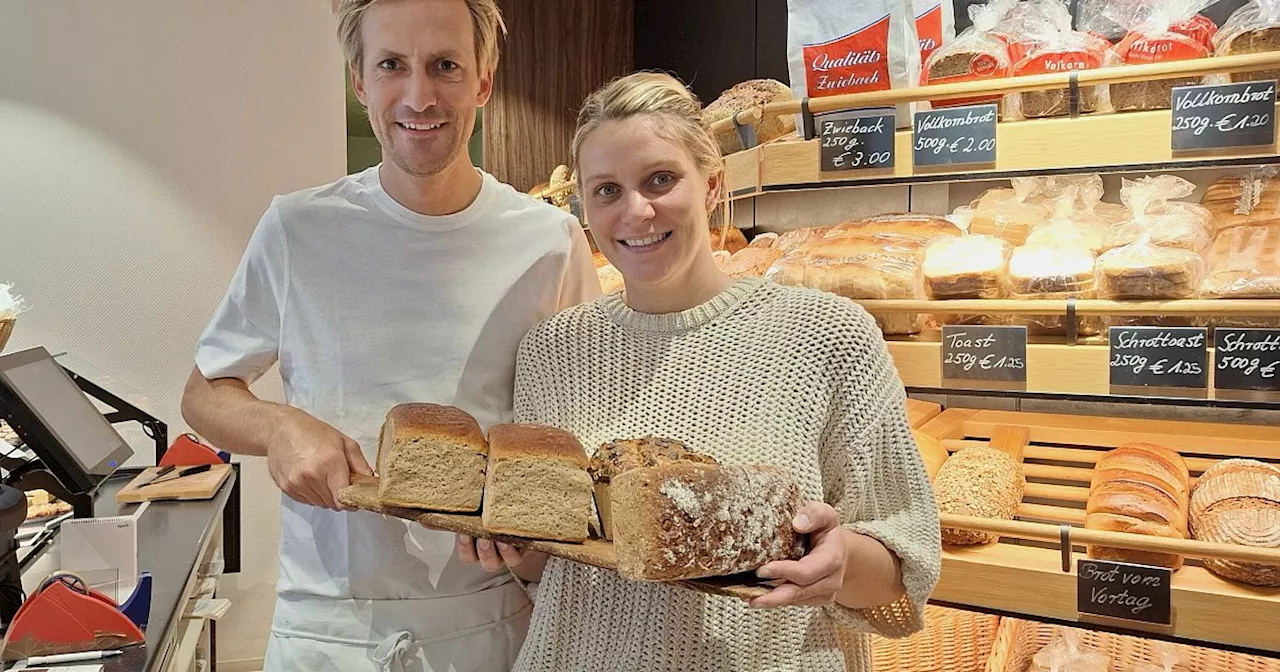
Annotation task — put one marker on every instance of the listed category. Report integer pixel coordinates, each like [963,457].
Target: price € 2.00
[962,145]
[1228,123]
[1159,367]
[989,362]
[1248,366]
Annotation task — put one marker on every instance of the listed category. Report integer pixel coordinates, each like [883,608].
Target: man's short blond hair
[486,23]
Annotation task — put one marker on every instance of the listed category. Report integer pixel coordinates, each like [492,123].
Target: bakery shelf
[1187,307]
[1023,573]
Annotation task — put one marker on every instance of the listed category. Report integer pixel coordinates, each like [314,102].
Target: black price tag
[1159,357]
[1122,590]
[1246,359]
[1226,115]
[857,139]
[993,355]
[955,135]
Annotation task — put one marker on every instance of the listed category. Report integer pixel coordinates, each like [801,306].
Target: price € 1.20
[988,362]
[1160,367]
[1198,124]
[965,144]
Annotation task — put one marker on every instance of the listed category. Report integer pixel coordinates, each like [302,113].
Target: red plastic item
[187,451]
[65,616]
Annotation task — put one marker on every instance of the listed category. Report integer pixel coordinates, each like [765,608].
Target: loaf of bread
[536,484]
[744,96]
[686,520]
[1173,224]
[1251,29]
[559,180]
[1091,235]
[728,238]
[926,227]
[931,452]
[617,457]
[433,457]
[1047,269]
[1000,213]
[1237,501]
[751,262]
[1140,488]
[978,481]
[763,240]
[794,239]
[1244,262]
[1141,271]
[967,267]
[1250,200]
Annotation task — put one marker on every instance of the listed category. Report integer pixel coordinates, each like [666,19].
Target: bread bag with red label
[1158,32]
[836,47]
[976,54]
[1052,47]
[1252,29]
[935,25]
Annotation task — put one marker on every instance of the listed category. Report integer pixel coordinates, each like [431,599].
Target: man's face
[420,81]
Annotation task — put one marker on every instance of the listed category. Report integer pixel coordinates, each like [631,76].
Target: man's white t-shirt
[366,304]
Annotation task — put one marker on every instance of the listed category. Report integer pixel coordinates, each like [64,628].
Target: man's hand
[311,461]
[814,579]
[527,565]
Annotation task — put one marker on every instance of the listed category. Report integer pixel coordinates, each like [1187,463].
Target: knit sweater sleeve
[874,477]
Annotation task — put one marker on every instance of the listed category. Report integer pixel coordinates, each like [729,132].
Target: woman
[745,370]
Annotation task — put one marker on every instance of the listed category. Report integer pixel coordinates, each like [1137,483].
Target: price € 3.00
[851,154]
[1160,367]
[962,145]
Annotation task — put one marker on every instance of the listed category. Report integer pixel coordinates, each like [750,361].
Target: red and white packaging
[977,53]
[935,25]
[1156,31]
[836,47]
[1047,44]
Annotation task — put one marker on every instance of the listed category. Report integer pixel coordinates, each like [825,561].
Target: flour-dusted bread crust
[1237,501]
[433,457]
[617,457]
[537,484]
[685,520]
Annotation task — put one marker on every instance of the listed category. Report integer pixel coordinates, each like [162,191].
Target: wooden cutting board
[363,494]
[196,486]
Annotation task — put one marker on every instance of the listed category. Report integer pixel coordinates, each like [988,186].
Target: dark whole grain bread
[744,96]
[1253,42]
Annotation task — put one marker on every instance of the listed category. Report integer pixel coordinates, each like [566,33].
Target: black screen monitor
[58,421]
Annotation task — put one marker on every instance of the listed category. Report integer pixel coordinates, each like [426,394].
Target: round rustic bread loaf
[978,481]
[744,96]
[1237,501]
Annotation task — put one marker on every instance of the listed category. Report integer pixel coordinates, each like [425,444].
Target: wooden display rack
[1024,572]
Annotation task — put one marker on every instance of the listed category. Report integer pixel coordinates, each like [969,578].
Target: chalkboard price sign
[1225,115]
[1122,590]
[1159,357]
[857,139]
[955,135]
[991,354]
[1246,359]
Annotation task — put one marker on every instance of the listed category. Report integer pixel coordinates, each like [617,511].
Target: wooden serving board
[196,486]
[363,494]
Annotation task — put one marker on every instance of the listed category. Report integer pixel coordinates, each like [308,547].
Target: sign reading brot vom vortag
[1123,590]
[856,139]
[1224,115]
[956,135]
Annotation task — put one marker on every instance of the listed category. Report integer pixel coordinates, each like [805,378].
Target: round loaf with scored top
[1237,501]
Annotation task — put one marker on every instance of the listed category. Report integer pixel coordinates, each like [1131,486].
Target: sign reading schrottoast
[1159,356]
[1122,590]
[994,354]
[1246,359]
[955,135]
[857,139]
[1225,115]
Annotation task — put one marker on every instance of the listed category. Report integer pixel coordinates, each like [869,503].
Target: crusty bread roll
[744,96]
[537,484]
[431,457]
[616,457]
[1237,501]
[931,452]
[978,481]
[1140,488]
[685,520]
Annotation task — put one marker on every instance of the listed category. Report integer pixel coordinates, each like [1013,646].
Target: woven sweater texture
[763,374]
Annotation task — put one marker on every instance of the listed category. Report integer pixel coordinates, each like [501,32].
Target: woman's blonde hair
[486,23]
[663,98]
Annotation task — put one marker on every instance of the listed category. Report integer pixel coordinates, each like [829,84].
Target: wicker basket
[6,328]
[1018,641]
[952,641]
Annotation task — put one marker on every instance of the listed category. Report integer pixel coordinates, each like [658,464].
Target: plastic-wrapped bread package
[876,266]
[1244,262]
[1086,189]
[1249,200]
[965,267]
[1008,213]
[1142,270]
[1160,219]
[1050,46]
[836,47]
[1072,225]
[1168,30]
[794,239]
[1060,271]
[1251,29]
[976,54]
[916,225]
[935,25]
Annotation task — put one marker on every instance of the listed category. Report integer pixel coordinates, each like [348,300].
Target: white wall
[140,142]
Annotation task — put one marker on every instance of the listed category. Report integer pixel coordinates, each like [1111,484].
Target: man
[411,281]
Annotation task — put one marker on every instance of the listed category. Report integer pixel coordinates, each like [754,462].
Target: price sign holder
[981,357]
[1223,116]
[1139,596]
[1246,364]
[955,136]
[1159,361]
[861,140]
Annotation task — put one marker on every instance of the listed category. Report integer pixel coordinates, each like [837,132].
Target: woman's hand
[814,579]
[527,565]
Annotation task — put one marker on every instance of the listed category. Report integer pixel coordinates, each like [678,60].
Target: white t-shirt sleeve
[242,339]
[580,283]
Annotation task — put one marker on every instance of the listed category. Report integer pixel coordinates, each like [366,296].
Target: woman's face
[646,202]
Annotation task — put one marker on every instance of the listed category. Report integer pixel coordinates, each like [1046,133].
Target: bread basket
[6,329]
[952,641]
[1018,641]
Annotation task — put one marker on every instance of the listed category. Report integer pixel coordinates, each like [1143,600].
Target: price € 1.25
[1159,367]
[965,144]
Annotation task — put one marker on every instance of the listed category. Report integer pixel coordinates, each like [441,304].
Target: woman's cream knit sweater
[760,374]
